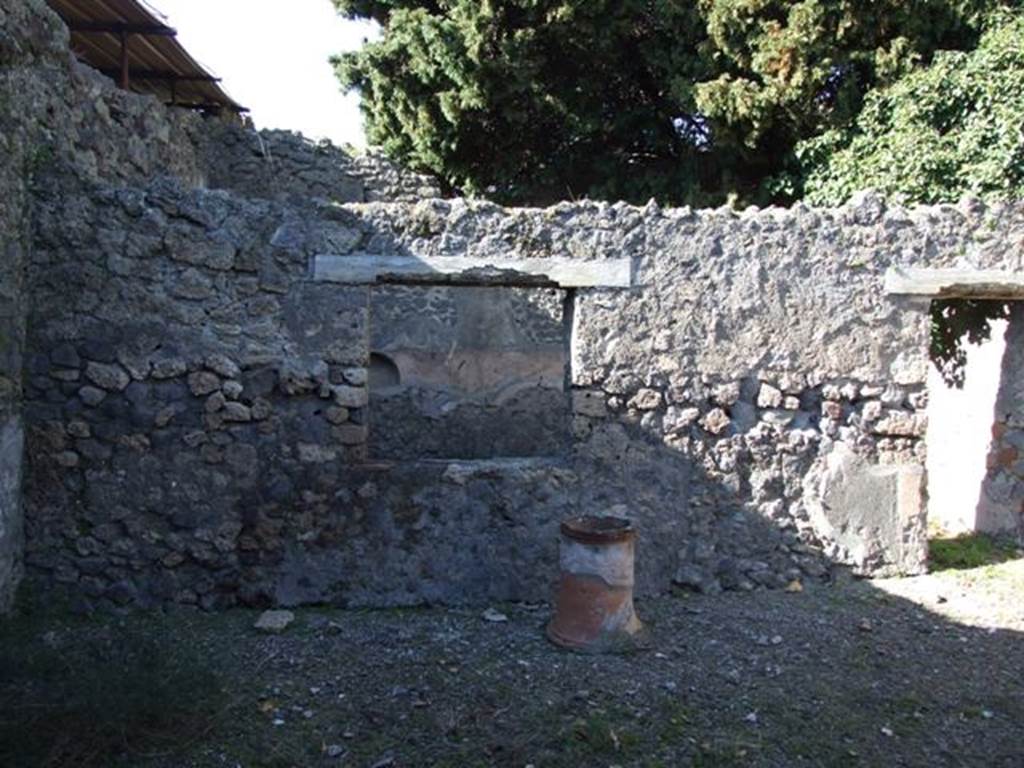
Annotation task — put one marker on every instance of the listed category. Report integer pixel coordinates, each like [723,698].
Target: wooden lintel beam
[367,268]
[118,28]
[955,283]
[155,74]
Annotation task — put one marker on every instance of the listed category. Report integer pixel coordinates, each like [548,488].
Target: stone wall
[208,422]
[15,236]
[79,126]
[287,166]
[199,406]
[65,129]
[62,122]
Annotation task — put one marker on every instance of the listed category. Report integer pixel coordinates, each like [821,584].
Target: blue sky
[274,61]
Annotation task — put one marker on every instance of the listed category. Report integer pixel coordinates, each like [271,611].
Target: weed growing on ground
[971,550]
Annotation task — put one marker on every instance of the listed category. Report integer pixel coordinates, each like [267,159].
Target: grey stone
[311,453]
[769,397]
[261,409]
[779,418]
[274,622]
[168,367]
[78,428]
[91,395]
[872,411]
[232,389]
[357,377]
[215,402]
[202,383]
[111,377]
[646,400]
[223,366]
[350,434]
[194,439]
[589,403]
[726,394]
[166,415]
[716,421]
[350,397]
[337,415]
[193,284]
[678,419]
[233,411]
[900,423]
[690,576]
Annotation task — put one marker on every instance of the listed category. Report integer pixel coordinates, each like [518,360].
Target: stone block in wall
[870,517]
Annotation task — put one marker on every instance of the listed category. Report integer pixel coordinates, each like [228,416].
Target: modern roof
[130,42]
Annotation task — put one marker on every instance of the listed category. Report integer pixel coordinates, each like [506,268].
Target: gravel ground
[915,672]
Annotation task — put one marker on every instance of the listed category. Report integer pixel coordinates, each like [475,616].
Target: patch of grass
[599,734]
[99,692]
[721,754]
[674,721]
[971,550]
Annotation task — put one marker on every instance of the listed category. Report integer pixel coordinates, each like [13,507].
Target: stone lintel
[955,283]
[363,268]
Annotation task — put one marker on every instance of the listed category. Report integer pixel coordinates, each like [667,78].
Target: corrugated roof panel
[157,63]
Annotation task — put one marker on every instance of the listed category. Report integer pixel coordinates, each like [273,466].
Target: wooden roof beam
[119,28]
[208,105]
[158,74]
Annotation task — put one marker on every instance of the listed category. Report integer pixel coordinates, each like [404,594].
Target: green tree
[529,100]
[952,128]
[692,101]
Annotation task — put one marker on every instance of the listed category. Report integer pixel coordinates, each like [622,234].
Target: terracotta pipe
[594,606]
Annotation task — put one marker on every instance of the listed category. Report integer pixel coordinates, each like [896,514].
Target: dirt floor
[926,671]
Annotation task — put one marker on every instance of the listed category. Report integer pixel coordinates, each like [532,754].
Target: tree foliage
[955,127]
[694,101]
